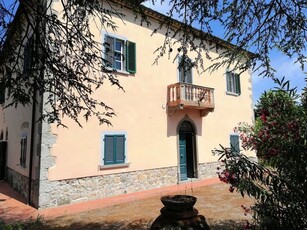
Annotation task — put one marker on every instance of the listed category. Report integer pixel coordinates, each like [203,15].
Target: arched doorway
[187,151]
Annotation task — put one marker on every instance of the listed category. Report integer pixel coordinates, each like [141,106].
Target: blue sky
[284,66]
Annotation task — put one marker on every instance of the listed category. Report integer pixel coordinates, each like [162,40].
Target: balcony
[184,95]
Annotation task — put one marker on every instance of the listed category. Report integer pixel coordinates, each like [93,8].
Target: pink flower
[263,117]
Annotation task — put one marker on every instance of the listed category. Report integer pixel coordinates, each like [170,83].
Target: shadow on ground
[135,225]
[221,208]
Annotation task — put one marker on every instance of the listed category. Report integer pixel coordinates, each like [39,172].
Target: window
[23,143]
[28,56]
[2,93]
[234,143]
[120,54]
[114,149]
[185,66]
[233,83]
[23,151]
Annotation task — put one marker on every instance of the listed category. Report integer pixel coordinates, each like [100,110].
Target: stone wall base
[18,182]
[57,193]
[62,192]
[208,170]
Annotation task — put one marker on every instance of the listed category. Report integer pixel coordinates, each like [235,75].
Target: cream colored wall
[12,118]
[141,113]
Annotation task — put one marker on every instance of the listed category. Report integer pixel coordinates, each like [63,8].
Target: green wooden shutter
[131,57]
[23,151]
[238,85]
[109,51]
[188,75]
[114,149]
[108,149]
[120,149]
[234,143]
[180,70]
[228,81]
[189,67]
[27,57]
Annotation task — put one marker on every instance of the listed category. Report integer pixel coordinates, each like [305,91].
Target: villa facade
[168,122]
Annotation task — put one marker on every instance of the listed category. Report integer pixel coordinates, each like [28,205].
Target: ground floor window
[23,143]
[23,151]
[234,143]
[114,149]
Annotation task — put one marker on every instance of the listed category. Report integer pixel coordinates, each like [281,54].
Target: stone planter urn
[179,213]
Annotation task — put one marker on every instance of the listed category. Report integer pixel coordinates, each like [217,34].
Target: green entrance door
[187,151]
[183,156]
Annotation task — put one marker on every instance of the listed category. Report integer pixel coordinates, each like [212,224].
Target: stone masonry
[18,181]
[90,188]
[208,170]
[57,193]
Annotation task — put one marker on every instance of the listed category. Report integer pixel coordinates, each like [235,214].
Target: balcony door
[185,69]
[187,153]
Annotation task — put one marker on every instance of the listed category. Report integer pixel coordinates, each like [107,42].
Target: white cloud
[285,67]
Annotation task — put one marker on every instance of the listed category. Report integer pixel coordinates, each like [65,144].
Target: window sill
[21,166]
[233,94]
[114,166]
[121,72]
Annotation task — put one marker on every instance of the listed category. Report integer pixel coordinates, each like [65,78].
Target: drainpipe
[36,33]
[32,141]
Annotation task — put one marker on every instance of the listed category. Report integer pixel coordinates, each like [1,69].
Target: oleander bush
[278,179]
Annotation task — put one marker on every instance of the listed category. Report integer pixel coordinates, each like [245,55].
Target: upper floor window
[120,54]
[28,56]
[2,93]
[185,66]
[6,79]
[233,83]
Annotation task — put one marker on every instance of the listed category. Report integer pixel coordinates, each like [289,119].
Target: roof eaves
[177,24]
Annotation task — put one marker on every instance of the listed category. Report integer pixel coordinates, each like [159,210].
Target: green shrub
[30,224]
[278,180]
